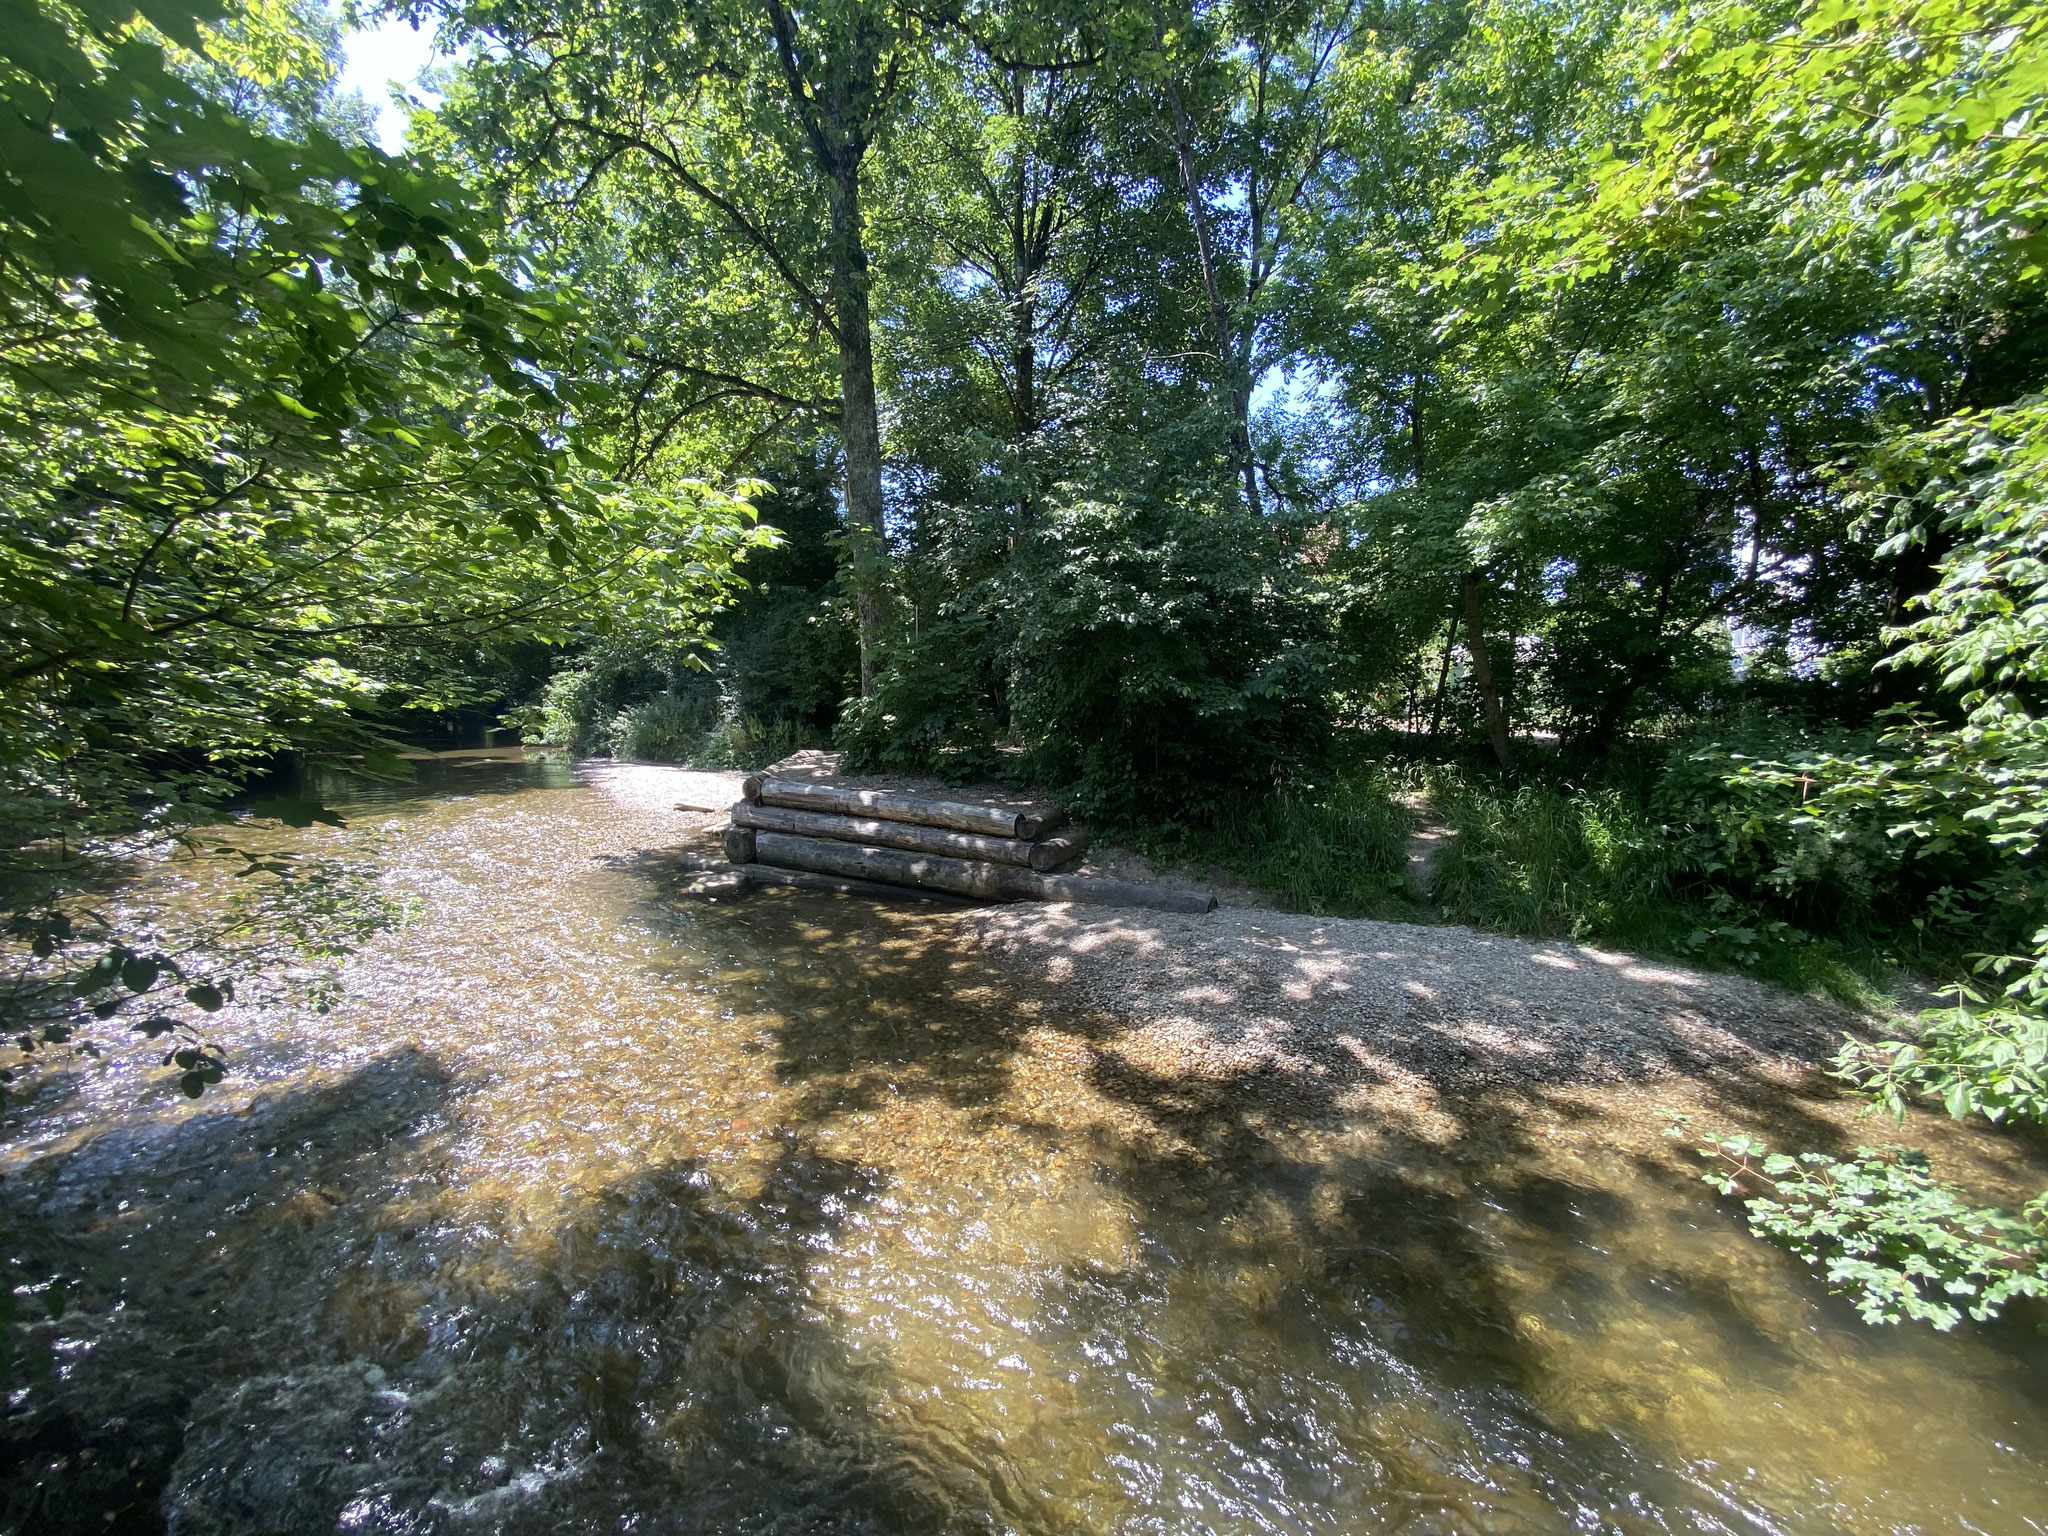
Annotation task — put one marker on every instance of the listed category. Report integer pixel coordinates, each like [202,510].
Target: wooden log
[1035,827]
[893,866]
[1052,852]
[886,834]
[709,876]
[1027,885]
[964,877]
[810,880]
[739,844]
[891,805]
[750,786]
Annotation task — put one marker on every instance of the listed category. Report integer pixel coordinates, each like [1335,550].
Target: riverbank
[590,1207]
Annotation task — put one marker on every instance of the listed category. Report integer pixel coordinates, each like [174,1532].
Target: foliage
[1339,849]
[290,919]
[765,676]
[268,411]
[1902,1245]
[1168,657]
[1970,1060]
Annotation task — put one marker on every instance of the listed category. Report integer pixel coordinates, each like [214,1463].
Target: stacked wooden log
[889,839]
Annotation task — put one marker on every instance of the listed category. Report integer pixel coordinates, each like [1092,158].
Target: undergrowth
[1339,851]
[1600,865]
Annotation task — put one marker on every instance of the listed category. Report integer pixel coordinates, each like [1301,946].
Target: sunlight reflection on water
[596,1209]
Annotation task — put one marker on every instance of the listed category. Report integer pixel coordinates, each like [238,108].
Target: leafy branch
[1884,1231]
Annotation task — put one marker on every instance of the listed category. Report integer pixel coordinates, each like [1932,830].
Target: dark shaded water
[595,1210]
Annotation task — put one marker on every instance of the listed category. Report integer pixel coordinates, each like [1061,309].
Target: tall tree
[737,134]
[1003,175]
[1244,90]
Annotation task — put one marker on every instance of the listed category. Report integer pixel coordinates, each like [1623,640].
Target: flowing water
[596,1208]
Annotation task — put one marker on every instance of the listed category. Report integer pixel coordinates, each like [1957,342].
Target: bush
[933,710]
[585,707]
[665,729]
[1169,659]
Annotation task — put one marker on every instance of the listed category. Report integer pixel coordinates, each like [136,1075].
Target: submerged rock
[90,1452]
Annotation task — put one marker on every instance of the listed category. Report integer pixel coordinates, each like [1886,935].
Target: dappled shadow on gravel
[1437,1008]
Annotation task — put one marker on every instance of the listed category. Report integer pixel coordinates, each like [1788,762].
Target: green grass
[1594,866]
[1340,851]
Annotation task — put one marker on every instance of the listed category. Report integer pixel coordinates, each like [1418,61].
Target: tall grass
[1597,865]
[1537,862]
[1339,851]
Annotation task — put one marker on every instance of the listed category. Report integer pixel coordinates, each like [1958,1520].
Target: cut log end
[1050,853]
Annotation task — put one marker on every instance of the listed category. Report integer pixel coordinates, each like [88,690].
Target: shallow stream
[592,1208]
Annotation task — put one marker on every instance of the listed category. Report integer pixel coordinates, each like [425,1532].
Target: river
[589,1207]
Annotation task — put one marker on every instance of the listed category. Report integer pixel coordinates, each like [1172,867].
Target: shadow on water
[805,1215]
[655,1362]
[172,1227]
[1369,1326]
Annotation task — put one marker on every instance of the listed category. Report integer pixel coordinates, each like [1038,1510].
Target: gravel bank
[1396,1005]
[1392,1006]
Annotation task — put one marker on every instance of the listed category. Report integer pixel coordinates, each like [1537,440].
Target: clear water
[594,1209]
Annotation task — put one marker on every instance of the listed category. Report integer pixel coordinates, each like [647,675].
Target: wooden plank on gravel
[893,805]
[1027,885]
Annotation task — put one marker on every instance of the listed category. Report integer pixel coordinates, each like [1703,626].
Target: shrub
[933,709]
[1169,658]
[665,729]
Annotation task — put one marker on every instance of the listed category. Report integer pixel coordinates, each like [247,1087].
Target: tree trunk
[1482,667]
[860,422]
[1024,409]
[1443,675]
